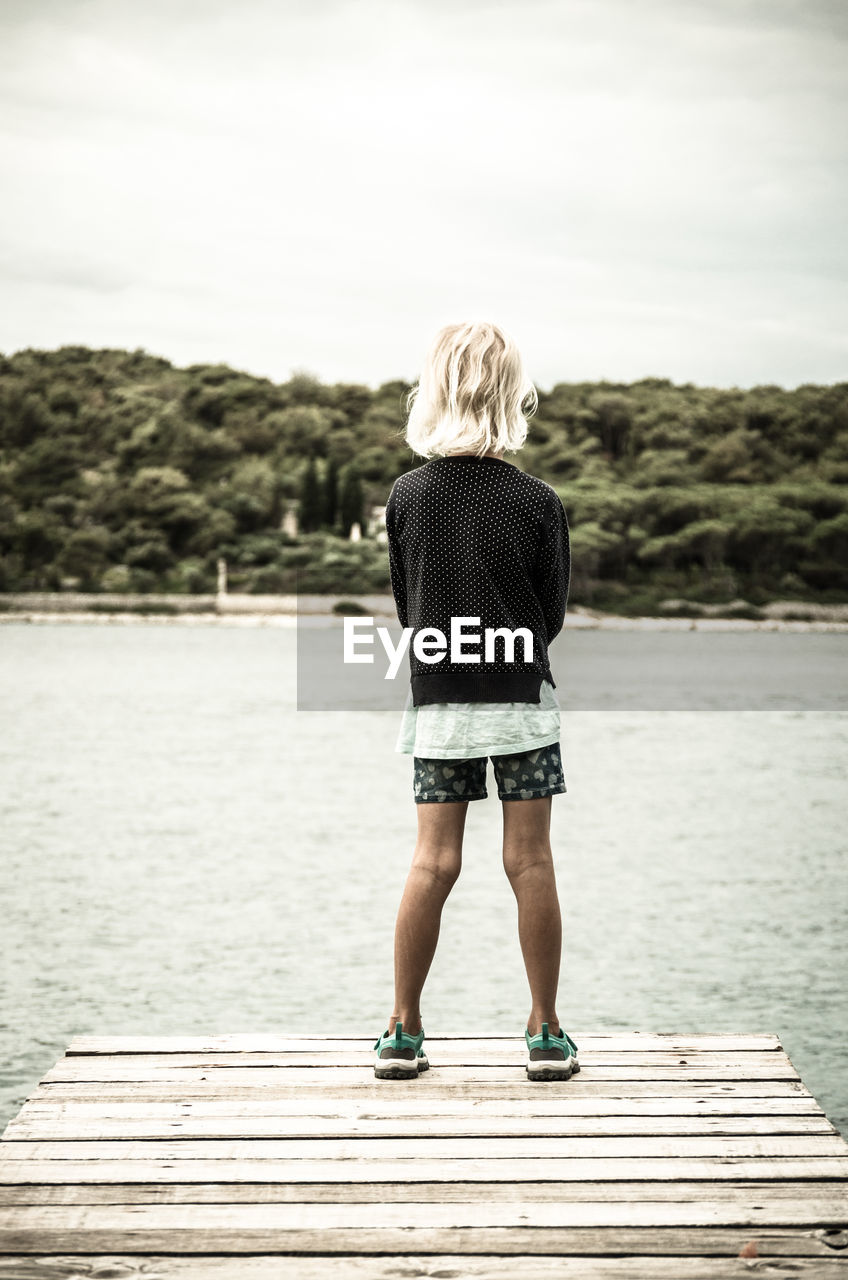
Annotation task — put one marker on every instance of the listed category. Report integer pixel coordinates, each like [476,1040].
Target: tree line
[119,471]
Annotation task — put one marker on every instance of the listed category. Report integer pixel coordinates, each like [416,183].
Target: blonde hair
[473,395]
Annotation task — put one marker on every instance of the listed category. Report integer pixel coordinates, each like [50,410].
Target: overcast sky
[630,187]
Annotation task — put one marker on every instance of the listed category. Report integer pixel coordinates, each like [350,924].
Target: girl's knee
[442,862]
[523,859]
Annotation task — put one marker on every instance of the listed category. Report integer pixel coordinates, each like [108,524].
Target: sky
[631,189]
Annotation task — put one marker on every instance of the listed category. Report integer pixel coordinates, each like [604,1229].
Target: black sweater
[477,537]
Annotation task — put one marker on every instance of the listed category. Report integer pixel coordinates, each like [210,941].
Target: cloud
[630,188]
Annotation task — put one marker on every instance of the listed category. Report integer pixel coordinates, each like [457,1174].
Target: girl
[476,544]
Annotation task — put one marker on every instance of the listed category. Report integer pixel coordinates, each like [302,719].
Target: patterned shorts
[526,776]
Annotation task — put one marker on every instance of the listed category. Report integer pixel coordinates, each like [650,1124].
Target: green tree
[118,577]
[766,537]
[613,418]
[701,542]
[591,545]
[351,500]
[828,567]
[49,464]
[310,499]
[732,459]
[331,493]
[212,534]
[302,429]
[163,497]
[252,495]
[86,555]
[665,485]
[154,555]
[37,538]
[832,537]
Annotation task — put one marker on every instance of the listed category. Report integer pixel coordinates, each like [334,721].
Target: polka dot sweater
[475,537]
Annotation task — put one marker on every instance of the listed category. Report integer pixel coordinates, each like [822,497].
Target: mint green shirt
[467,730]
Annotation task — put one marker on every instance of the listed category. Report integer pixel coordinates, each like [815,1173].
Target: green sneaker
[549,1056]
[400,1056]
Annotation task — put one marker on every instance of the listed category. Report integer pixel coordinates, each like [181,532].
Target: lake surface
[183,851]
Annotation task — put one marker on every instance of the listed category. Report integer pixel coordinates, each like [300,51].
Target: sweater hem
[478,686]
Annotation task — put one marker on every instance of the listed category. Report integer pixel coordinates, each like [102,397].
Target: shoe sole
[542,1070]
[400,1068]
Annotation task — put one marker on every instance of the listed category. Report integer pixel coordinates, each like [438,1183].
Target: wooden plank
[667,1240]
[52,1126]
[265,1043]
[357,1086]
[407,1104]
[760,1192]
[331,1218]
[363,1090]
[472,1169]
[345,1267]
[328,1077]
[426,1148]
[445,1055]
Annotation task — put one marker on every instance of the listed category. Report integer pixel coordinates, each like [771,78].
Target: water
[185,852]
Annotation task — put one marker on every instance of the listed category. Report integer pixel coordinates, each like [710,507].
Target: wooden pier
[270,1158]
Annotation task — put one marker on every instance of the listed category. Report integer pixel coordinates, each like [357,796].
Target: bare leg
[436,864]
[528,863]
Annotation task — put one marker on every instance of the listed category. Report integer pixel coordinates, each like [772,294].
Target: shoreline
[576,620]
[50,608]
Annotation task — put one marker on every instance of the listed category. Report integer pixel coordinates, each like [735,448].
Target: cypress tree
[310,499]
[331,493]
[351,501]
